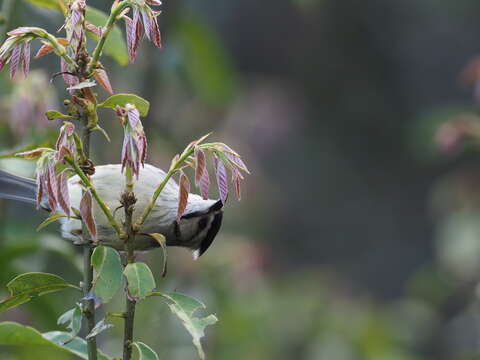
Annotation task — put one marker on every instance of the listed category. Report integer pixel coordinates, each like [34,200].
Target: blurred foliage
[359,239]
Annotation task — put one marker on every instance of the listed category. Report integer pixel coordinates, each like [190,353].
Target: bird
[195,230]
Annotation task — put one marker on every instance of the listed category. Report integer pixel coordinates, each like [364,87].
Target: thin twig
[151,204]
[97,52]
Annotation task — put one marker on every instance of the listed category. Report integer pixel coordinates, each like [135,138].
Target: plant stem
[128,202]
[151,204]
[128,328]
[89,311]
[97,52]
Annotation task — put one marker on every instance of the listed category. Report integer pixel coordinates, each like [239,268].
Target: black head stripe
[212,232]
[215,207]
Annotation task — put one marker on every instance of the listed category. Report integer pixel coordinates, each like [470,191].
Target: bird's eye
[202,223]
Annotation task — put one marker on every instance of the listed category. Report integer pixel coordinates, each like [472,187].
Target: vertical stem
[87,265]
[128,202]
[89,310]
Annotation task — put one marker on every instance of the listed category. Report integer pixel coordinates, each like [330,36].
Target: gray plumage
[17,188]
[195,230]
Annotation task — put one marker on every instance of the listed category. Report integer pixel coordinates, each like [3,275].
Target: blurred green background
[356,238]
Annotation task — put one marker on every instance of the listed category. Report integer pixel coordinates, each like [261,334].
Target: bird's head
[199,225]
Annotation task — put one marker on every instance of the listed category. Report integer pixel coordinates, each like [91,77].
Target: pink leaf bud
[26,59]
[222,181]
[86,211]
[134,149]
[62,192]
[15,59]
[184,190]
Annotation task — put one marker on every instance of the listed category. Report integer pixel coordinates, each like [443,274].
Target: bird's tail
[17,188]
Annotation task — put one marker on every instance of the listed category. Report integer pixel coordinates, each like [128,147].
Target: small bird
[195,230]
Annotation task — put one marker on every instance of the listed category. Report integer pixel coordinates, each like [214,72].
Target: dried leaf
[33,154]
[86,210]
[184,190]
[222,181]
[102,78]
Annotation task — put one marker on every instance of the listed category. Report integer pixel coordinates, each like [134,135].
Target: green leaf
[26,286]
[52,218]
[108,272]
[47,4]
[115,45]
[74,319]
[145,352]
[98,328]
[12,333]
[54,114]
[76,346]
[163,244]
[140,279]
[141,104]
[184,307]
